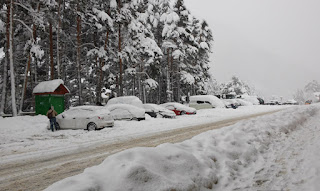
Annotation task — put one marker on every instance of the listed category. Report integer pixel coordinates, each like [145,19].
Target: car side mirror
[62,116]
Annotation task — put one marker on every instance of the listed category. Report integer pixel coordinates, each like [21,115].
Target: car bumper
[105,124]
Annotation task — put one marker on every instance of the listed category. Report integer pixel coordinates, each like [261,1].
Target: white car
[179,109]
[85,117]
[126,112]
[205,102]
[155,110]
[131,100]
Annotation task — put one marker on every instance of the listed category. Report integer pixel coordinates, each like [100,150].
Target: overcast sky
[273,45]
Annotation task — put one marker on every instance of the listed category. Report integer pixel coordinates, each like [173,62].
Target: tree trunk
[178,82]
[58,39]
[13,88]
[120,83]
[78,56]
[100,79]
[24,90]
[5,65]
[120,65]
[4,86]
[133,84]
[27,69]
[51,51]
[168,77]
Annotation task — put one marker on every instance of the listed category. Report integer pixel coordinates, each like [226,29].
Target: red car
[179,109]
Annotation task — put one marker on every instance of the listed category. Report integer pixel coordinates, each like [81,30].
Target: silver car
[85,117]
[126,112]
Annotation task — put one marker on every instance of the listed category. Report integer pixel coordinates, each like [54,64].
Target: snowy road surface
[41,157]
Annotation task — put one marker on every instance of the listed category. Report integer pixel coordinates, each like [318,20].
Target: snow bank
[211,160]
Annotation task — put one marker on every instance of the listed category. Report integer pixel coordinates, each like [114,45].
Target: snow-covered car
[205,102]
[242,102]
[126,112]
[85,117]
[155,110]
[291,102]
[253,99]
[231,103]
[179,109]
[131,100]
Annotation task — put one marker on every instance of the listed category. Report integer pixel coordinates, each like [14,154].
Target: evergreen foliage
[154,49]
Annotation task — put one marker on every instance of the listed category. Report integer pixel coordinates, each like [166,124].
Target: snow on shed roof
[48,86]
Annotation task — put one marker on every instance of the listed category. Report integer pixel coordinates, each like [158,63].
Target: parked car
[242,102]
[291,102]
[179,109]
[273,102]
[131,100]
[155,110]
[253,99]
[205,102]
[126,112]
[85,117]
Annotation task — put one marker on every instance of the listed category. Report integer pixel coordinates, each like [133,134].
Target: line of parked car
[132,108]
[119,108]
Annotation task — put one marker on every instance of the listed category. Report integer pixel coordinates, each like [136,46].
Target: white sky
[273,45]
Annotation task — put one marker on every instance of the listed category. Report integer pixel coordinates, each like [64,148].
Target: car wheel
[91,126]
[183,113]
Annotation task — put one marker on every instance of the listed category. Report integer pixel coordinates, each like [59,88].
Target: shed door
[42,104]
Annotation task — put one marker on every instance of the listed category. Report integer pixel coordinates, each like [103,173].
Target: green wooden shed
[50,93]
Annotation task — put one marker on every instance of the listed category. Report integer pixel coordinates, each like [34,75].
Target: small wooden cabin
[50,93]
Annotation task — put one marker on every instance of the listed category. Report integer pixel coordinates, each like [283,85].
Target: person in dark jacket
[51,114]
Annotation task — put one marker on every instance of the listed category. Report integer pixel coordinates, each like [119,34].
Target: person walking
[51,114]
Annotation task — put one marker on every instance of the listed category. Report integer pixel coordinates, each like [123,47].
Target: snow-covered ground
[273,152]
[27,136]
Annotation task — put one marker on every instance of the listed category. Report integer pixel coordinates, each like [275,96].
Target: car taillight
[101,118]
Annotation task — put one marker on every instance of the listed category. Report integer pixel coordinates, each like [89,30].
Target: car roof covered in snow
[131,100]
[86,110]
[134,110]
[179,106]
[214,101]
[155,107]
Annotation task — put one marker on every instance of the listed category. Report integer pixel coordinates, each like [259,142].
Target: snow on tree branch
[151,84]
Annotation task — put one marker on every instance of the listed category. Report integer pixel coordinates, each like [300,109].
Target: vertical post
[78,54]
[13,89]
[51,51]
[58,45]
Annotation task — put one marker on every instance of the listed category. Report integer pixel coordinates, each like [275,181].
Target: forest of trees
[154,49]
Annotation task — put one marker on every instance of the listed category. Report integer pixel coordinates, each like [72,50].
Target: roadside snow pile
[13,127]
[219,159]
